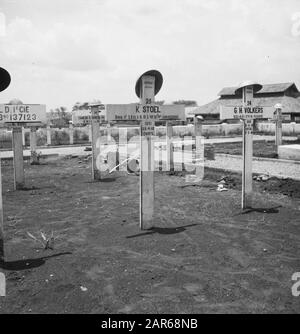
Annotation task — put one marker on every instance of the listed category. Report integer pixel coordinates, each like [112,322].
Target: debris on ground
[47,242]
[228,182]
[83,288]
[221,187]
[84,159]
[261,178]
[87,158]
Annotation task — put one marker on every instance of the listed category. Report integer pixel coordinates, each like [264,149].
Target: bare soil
[204,255]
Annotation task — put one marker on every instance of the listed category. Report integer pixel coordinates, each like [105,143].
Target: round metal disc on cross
[4,79]
[15,101]
[278,106]
[256,86]
[158,82]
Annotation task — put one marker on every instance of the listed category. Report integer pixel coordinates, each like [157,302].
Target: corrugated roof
[276,88]
[209,108]
[189,111]
[290,105]
[270,88]
[228,91]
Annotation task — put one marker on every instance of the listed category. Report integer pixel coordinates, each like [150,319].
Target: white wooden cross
[16,116]
[247,112]
[278,117]
[146,113]
[4,83]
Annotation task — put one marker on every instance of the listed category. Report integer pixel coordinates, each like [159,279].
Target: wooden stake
[247,151]
[147,160]
[108,131]
[23,136]
[34,158]
[278,129]
[71,133]
[122,152]
[95,132]
[199,156]
[48,131]
[90,133]
[19,178]
[169,147]
[1,220]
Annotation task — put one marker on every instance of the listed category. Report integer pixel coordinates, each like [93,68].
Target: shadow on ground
[162,230]
[262,210]
[28,263]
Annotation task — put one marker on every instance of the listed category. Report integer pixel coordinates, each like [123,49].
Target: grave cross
[278,125]
[247,112]
[146,113]
[95,131]
[4,83]
[16,116]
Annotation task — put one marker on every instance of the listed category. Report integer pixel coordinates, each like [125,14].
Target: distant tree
[160,102]
[187,103]
[80,106]
[84,105]
[60,117]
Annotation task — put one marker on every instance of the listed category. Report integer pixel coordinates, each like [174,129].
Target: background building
[285,93]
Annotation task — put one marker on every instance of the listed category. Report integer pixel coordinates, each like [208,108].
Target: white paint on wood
[138,112]
[123,148]
[33,145]
[71,133]
[2,285]
[246,112]
[147,163]
[278,129]
[169,147]
[48,131]
[19,178]
[247,150]
[199,150]
[95,134]
[1,223]
[29,114]
[90,132]
[23,136]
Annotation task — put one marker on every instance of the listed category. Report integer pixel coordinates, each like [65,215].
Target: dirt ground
[203,256]
[261,149]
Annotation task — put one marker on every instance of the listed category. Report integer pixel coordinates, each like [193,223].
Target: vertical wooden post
[182,154]
[225,128]
[19,178]
[108,131]
[169,147]
[160,158]
[147,166]
[23,136]
[1,220]
[278,129]
[4,83]
[95,134]
[34,158]
[71,133]
[123,148]
[199,156]
[90,133]
[48,131]
[247,150]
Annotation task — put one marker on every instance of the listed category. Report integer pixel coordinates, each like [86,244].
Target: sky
[59,52]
